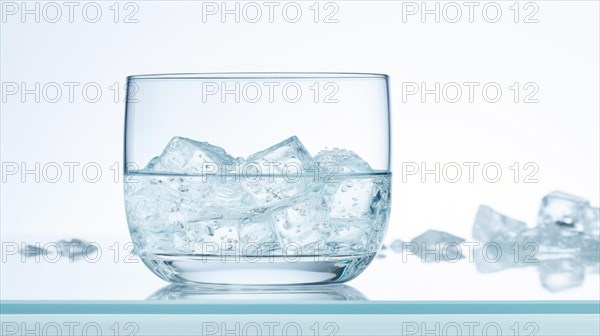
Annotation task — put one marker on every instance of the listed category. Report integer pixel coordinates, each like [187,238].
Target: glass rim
[259,75]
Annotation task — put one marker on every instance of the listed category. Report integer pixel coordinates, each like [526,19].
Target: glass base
[256,270]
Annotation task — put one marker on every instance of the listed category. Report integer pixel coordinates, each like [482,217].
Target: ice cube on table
[551,242]
[282,171]
[76,248]
[560,274]
[591,223]
[397,246]
[186,156]
[32,250]
[560,210]
[437,246]
[532,247]
[492,226]
[563,245]
[528,248]
[382,250]
[496,256]
[590,251]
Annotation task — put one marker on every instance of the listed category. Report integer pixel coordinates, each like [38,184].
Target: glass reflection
[182,292]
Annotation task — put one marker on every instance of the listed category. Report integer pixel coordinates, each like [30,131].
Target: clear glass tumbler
[257,178]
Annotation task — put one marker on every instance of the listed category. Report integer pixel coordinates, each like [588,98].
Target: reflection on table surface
[254,293]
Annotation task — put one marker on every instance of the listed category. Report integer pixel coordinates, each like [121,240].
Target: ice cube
[382,250]
[75,249]
[260,234]
[496,256]
[397,246]
[182,198]
[436,246]
[560,274]
[592,222]
[350,197]
[341,161]
[356,197]
[281,172]
[562,245]
[590,251]
[155,239]
[531,247]
[215,236]
[553,242]
[491,225]
[376,231]
[350,235]
[287,156]
[32,251]
[170,200]
[228,197]
[164,200]
[302,224]
[152,163]
[560,210]
[186,156]
[269,192]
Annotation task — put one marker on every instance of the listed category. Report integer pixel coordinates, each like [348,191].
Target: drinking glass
[257,178]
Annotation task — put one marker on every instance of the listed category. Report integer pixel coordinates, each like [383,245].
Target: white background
[559,134]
